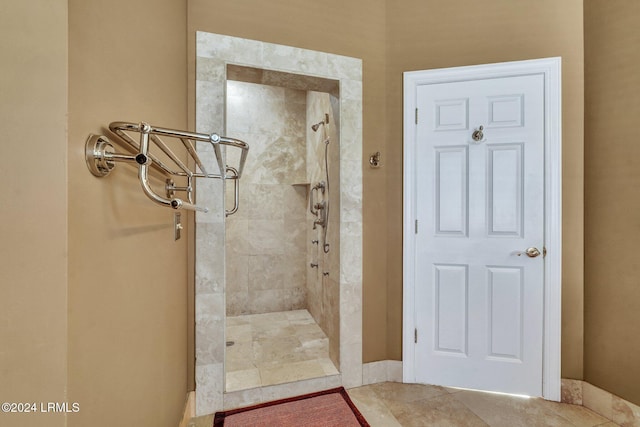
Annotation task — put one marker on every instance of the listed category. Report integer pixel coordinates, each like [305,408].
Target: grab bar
[101,157]
[236,191]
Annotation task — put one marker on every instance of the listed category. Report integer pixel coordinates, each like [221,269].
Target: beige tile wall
[266,237]
[323,291]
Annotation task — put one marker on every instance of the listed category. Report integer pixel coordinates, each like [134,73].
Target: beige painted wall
[612,202]
[354,28]
[127,283]
[126,323]
[436,34]
[33,212]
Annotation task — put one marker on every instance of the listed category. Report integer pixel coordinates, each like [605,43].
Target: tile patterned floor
[413,405]
[275,348]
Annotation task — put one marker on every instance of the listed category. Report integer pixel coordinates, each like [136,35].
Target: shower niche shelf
[304,188]
[150,151]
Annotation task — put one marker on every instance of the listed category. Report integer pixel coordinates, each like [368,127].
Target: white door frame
[550,68]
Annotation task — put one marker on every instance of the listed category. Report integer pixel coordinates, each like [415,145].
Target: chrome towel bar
[101,157]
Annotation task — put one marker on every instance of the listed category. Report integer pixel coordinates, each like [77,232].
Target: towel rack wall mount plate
[99,153]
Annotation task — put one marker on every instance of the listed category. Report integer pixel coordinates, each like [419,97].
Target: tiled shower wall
[323,283]
[266,237]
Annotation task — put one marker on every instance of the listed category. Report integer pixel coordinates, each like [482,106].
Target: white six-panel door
[479,205]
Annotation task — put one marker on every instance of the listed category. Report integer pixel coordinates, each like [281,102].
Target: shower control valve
[312,204]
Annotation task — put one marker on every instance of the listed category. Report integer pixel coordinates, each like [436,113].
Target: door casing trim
[550,68]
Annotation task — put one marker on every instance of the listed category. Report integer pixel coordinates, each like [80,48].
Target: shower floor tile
[275,348]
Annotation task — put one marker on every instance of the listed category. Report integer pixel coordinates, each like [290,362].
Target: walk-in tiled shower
[281,245]
[267,259]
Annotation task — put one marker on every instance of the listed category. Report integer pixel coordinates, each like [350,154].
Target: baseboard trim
[381,371]
[189,409]
[602,402]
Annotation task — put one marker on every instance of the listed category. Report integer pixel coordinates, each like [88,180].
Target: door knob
[530,252]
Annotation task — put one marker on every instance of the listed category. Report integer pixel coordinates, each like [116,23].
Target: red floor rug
[329,408]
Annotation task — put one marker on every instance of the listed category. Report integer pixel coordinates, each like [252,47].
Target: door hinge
[415,336]
[416,227]
[416,116]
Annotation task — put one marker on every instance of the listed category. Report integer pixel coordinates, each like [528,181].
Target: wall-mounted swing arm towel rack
[101,158]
